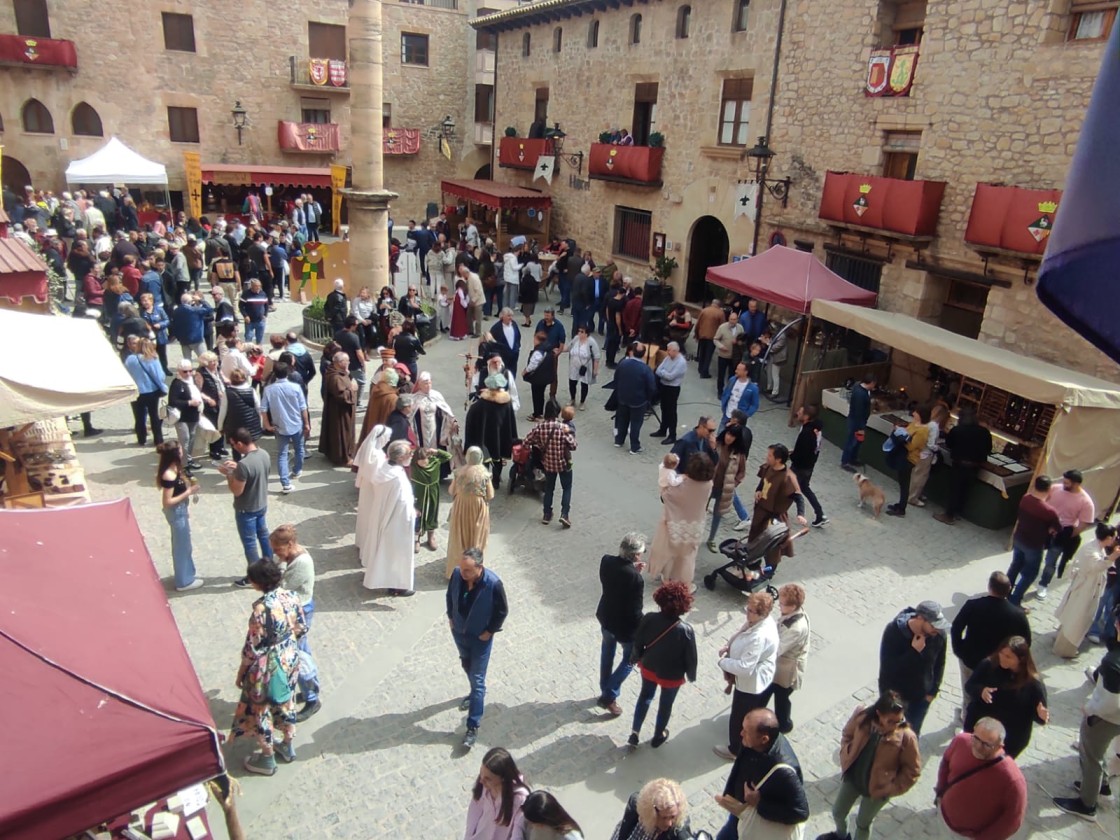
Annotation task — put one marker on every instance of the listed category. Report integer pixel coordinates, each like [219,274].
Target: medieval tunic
[382,403]
[425,487]
[336,436]
[778,487]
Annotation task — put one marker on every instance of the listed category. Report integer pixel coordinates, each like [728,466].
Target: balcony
[314,138]
[890,72]
[321,75]
[1011,219]
[869,202]
[435,4]
[485,62]
[484,134]
[26,51]
[637,165]
[521,152]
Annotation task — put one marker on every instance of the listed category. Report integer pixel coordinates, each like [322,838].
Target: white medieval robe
[369,458]
[387,552]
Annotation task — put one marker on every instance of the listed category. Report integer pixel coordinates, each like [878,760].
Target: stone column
[368,200]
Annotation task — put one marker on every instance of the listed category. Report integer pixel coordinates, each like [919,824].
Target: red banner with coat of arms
[401,141]
[890,72]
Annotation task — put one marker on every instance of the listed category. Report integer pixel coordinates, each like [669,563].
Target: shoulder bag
[754,827]
[662,635]
[938,793]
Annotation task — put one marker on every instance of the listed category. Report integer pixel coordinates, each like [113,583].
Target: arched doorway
[15,175]
[707,246]
[483,173]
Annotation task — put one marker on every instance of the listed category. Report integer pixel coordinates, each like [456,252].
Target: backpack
[224,270]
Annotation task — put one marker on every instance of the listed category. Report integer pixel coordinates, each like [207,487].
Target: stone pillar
[368,201]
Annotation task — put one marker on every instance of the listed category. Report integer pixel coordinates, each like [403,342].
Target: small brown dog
[868,492]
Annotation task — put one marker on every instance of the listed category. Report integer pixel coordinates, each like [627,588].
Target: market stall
[500,211]
[107,715]
[116,163]
[1043,418]
[229,185]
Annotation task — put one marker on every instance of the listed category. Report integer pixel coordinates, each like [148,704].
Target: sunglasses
[986,744]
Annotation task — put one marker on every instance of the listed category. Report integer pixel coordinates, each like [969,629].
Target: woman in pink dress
[459,302]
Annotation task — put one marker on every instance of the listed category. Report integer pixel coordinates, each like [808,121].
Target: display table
[994,499]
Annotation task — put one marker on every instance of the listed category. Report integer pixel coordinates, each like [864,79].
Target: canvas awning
[244,175]
[789,278]
[32,388]
[116,163]
[106,710]
[497,196]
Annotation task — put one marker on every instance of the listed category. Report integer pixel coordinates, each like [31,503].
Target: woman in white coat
[583,365]
[748,661]
[1079,604]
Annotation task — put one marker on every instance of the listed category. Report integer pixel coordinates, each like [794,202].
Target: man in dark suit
[983,623]
[619,613]
[506,337]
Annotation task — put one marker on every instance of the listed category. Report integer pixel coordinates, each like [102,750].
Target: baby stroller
[748,569]
[525,469]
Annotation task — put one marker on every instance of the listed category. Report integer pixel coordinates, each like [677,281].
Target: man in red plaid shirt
[554,442]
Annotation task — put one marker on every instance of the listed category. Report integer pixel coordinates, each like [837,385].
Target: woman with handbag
[184,400]
[665,652]
[158,321]
[905,451]
[748,661]
[583,365]
[879,760]
[213,393]
[176,491]
[269,671]
[143,366]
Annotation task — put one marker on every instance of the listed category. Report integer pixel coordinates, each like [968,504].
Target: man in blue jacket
[739,393]
[476,610]
[189,324]
[859,410]
[753,322]
[634,387]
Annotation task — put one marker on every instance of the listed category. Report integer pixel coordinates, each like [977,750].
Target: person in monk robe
[777,490]
[336,437]
[382,400]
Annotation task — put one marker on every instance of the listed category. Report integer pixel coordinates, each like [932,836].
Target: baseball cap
[931,612]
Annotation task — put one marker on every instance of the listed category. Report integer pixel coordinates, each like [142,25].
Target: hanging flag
[444,147]
[746,195]
[1078,280]
[546,165]
[318,70]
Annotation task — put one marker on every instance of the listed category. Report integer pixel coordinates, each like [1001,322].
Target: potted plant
[316,328]
[657,140]
[605,137]
[663,268]
[511,131]
[427,331]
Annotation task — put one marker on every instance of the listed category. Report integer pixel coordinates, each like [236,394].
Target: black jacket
[510,355]
[969,445]
[630,821]
[242,413]
[334,308]
[620,607]
[807,447]
[673,656]
[982,624]
[901,668]
[179,396]
[783,797]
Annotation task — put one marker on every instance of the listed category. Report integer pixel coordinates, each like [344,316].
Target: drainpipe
[769,119]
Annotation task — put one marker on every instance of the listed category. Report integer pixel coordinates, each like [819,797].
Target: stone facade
[999,96]
[128,77]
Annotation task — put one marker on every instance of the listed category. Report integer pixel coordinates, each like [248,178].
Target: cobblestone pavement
[383,757]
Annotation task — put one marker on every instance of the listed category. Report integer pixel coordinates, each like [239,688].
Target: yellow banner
[338,182]
[192,163]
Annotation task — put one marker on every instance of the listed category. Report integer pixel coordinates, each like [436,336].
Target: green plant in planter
[511,131]
[657,140]
[605,137]
[664,267]
[315,310]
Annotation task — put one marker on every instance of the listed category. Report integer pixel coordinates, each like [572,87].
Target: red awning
[1012,218]
[497,196]
[277,176]
[107,713]
[790,278]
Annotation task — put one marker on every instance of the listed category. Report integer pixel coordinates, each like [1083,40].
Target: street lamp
[556,134]
[447,127]
[240,119]
[762,154]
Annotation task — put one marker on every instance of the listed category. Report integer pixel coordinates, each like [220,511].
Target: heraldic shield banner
[318,70]
[890,72]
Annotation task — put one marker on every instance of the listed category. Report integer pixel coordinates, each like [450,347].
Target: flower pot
[631,164]
[316,330]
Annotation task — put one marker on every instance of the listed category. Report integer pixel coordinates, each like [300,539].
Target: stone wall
[128,77]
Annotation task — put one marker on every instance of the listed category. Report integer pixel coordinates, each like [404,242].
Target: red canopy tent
[790,278]
[107,713]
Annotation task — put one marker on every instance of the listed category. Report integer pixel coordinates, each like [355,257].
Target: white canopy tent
[116,163]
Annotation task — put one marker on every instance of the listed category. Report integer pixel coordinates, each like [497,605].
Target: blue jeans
[851,449]
[252,529]
[743,513]
[664,708]
[629,417]
[254,332]
[283,443]
[916,711]
[309,688]
[1025,563]
[474,656]
[565,286]
[611,678]
[565,492]
[1104,610]
[182,558]
[716,519]
[730,830]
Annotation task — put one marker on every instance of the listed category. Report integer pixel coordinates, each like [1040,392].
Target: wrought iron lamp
[574,159]
[240,119]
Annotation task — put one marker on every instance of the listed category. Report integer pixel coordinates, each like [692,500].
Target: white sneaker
[1042,593]
[194,584]
[742,525]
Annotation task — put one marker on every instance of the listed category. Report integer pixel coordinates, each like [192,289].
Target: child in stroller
[752,563]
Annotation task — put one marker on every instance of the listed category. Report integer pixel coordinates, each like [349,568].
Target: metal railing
[438,4]
[300,72]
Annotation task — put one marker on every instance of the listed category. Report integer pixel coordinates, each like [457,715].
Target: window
[32,19]
[326,40]
[36,118]
[684,21]
[486,40]
[645,112]
[316,111]
[867,274]
[593,35]
[540,108]
[414,49]
[900,154]
[632,232]
[386,115]
[901,23]
[557,38]
[635,29]
[182,124]
[735,112]
[484,103]
[742,14]
[1091,21]
[85,122]
[178,32]
[526,45]
[963,309]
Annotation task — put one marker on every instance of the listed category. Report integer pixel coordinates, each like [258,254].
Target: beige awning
[1022,375]
[52,366]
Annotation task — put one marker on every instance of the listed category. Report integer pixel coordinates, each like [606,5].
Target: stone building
[166,77]
[928,103]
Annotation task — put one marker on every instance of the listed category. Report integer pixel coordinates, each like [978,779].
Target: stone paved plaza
[383,758]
